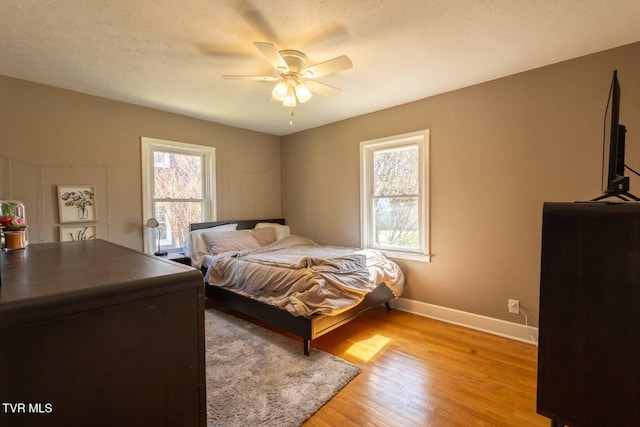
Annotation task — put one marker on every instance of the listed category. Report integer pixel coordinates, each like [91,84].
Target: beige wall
[498,151]
[52,136]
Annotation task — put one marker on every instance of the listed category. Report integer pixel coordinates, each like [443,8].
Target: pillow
[281,230]
[226,241]
[265,236]
[194,246]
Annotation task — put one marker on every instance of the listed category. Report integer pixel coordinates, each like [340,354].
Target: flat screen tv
[614,182]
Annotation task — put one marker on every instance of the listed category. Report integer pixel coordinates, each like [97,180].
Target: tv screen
[614,183]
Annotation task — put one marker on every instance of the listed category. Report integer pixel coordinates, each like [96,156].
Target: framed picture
[74,233]
[77,203]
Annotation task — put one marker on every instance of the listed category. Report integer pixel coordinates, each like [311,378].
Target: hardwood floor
[422,372]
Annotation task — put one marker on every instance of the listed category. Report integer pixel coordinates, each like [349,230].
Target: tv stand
[620,189]
[623,195]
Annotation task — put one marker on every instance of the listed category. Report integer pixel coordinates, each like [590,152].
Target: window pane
[177,176]
[395,171]
[174,219]
[395,222]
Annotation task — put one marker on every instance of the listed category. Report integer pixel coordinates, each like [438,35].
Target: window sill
[407,256]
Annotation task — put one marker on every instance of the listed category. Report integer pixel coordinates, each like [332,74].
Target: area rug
[257,377]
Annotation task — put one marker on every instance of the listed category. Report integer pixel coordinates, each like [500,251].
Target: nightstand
[177,257]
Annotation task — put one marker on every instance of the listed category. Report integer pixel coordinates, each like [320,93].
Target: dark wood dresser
[589,352]
[95,334]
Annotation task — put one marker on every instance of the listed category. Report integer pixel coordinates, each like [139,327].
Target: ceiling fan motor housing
[294,59]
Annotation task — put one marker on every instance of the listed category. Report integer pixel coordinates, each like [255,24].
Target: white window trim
[148,146]
[366,150]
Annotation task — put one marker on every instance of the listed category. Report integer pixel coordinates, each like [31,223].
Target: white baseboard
[515,331]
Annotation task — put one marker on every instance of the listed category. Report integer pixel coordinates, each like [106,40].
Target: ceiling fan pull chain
[291,119]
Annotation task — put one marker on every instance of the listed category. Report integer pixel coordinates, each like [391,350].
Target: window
[394,195]
[178,186]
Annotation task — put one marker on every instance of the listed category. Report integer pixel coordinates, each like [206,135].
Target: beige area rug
[257,377]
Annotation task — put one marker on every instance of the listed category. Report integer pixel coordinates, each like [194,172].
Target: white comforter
[304,278]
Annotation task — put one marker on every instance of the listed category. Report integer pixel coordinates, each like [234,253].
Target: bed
[249,281]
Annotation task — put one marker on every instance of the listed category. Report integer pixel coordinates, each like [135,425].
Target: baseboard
[515,331]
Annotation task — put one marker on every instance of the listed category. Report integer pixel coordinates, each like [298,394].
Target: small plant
[10,220]
[9,209]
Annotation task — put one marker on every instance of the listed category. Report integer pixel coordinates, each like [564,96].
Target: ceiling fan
[294,77]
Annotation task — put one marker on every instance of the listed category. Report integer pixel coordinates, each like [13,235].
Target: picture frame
[74,233]
[77,203]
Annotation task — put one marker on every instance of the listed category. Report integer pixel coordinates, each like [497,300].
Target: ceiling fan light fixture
[302,92]
[280,91]
[290,98]
[292,73]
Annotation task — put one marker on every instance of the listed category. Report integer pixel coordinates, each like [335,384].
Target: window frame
[148,147]
[367,149]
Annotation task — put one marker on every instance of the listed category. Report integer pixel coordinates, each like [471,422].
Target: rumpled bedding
[304,278]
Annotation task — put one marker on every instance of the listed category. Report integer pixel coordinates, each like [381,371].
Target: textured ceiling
[170,54]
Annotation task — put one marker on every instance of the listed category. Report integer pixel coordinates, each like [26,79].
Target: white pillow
[265,235]
[195,247]
[281,230]
[227,241]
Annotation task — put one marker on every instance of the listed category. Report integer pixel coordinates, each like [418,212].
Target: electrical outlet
[514,306]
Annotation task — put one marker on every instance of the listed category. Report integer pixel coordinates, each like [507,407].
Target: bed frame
[307,327]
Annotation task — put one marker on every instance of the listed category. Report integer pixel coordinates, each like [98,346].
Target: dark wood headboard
[243,224]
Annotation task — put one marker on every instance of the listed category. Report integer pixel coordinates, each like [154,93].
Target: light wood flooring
[422,372]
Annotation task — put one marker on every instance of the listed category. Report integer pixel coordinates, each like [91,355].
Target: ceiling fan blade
[270,52]
[322,89]
[259,78]
[328,67]
[256,20]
